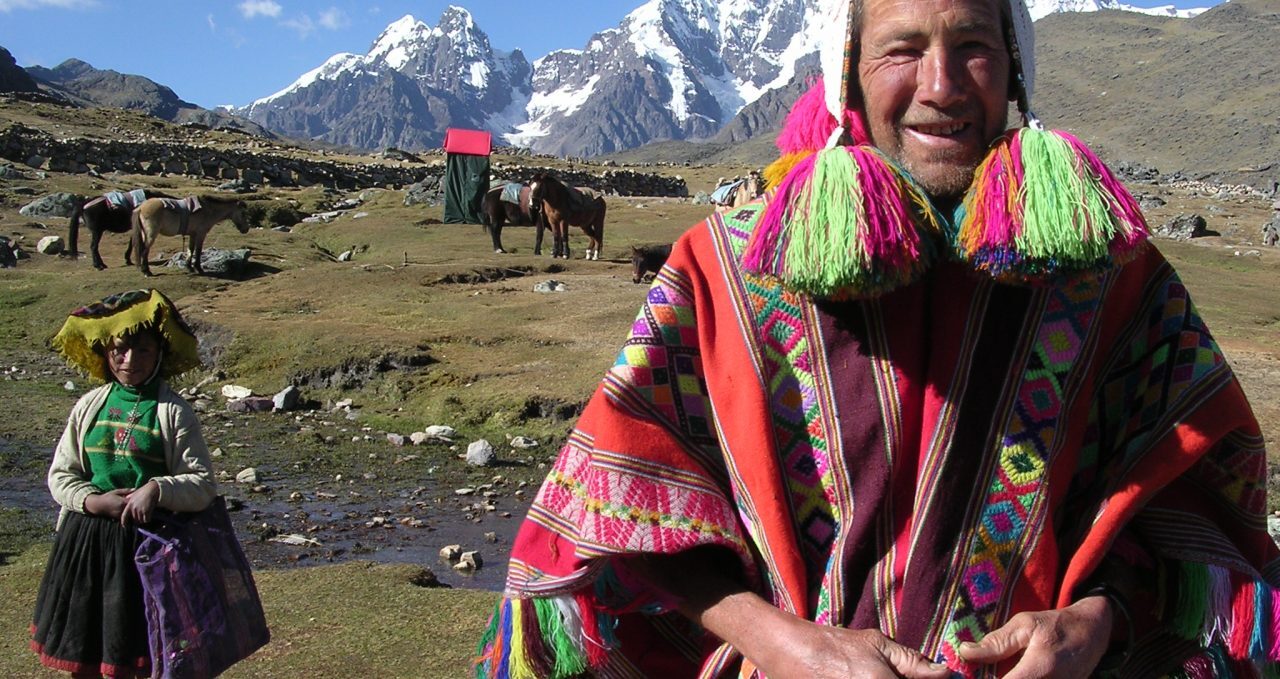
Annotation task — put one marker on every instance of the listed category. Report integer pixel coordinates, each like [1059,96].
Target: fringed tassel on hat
[1043,204]
[1235,614]
[551,637]
[806,130]
[844,221]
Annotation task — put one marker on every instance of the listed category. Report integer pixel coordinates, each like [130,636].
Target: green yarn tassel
[568,657]
[486,640]
[822,259]
[1193,600]
[1066,215]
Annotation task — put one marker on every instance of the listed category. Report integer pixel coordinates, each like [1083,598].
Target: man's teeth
[940,130]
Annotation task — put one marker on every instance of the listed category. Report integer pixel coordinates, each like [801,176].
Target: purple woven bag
[203,611]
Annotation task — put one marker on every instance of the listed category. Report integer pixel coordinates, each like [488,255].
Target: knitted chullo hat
[88,329]
[848,220]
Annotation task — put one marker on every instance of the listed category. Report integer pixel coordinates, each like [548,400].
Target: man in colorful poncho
[930,407]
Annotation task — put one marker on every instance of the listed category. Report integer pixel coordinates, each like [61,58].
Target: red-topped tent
[466,174]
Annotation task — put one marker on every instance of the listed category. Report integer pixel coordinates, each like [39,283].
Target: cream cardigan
[189,487]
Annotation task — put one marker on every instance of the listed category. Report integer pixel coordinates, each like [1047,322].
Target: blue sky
[213,52]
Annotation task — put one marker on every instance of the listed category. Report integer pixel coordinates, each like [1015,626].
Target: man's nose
[940,80]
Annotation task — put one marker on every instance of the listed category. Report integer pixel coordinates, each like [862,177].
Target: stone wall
[37,149]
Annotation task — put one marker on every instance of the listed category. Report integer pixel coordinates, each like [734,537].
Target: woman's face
[132,359]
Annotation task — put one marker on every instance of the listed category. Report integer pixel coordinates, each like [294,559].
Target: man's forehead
[913,16]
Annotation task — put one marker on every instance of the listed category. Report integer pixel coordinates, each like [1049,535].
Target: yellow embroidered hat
[88,329]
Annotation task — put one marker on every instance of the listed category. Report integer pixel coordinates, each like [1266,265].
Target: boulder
[237,186]
[216,261]
[550,286]
[480,453]
[53,205]
[235,392]
[397,440]
[253,404]
[451,552]
[8,171]
[247,475]
[1147,201]
[523,442]
[1271,231]
[440,431]
[1183,227]
[287,398]
[49,245]
[345,256]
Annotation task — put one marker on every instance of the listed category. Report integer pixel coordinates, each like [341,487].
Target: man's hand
[139,504]
[1061,643]
[109,504]
[803,649]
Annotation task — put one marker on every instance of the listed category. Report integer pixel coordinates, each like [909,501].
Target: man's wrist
[1122,631]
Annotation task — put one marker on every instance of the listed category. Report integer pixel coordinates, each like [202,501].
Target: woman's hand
[1061,643]
[140,503]
[109,504]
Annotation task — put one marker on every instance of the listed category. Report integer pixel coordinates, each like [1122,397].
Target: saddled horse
[162,216]
[648,259]
[563,207]
[504,205]
[738,192]
[108,212]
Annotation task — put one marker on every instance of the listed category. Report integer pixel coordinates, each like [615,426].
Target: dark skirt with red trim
[89,614]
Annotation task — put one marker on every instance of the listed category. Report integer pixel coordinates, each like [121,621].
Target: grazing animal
[505,205]
[109,212]
[739,192]
[561,207]
[648,259]
[161,216]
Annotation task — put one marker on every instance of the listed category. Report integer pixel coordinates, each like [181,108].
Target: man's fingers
[1038,661]
[909,663]
[1001,643]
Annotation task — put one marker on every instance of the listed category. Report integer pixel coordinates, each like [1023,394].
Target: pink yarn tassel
[889,240]
[1273,652]
[1241,616]
[764,251]
[809,124]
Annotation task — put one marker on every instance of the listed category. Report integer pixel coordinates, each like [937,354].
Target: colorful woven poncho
[928,462]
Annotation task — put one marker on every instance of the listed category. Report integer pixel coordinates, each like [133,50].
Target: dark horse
[101,214]
[648,259]
[495,212]
[563,207]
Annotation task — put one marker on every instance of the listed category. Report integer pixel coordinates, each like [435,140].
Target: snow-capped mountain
[414,82]
[671,69]
[1043,8]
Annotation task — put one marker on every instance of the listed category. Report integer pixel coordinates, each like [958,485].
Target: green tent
[466,174]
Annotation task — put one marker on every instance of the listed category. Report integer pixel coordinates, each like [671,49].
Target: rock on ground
[53,205]
[287,398]
[216,261]
[49,245]
[1183,227]
[480,453]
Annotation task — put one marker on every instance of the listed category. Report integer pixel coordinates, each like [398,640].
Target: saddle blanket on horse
[519,195]
[724,193]
[581,198]
[121,200]
[184,207]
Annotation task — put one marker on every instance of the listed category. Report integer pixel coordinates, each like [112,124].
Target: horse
[496,209]
[736,193]
[560,207]
[648,259]
[108,212]
[160,216]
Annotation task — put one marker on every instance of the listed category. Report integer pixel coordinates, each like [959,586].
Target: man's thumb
[909,663]
[996,646]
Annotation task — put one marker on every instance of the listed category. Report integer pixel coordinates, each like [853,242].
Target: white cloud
[256,8]
[334,19]
[213,26]
[11,5]
[301,24]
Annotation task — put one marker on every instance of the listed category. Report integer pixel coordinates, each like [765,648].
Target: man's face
[935,86]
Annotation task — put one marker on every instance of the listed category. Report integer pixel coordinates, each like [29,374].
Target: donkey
[193,216]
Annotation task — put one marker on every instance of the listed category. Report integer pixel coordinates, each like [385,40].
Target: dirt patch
[356,373]
[486,275]
[537,408]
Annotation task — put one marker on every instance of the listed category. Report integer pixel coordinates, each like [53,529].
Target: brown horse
[159,216]
[562,207]
[496,210]
[648,259]
[106,213]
